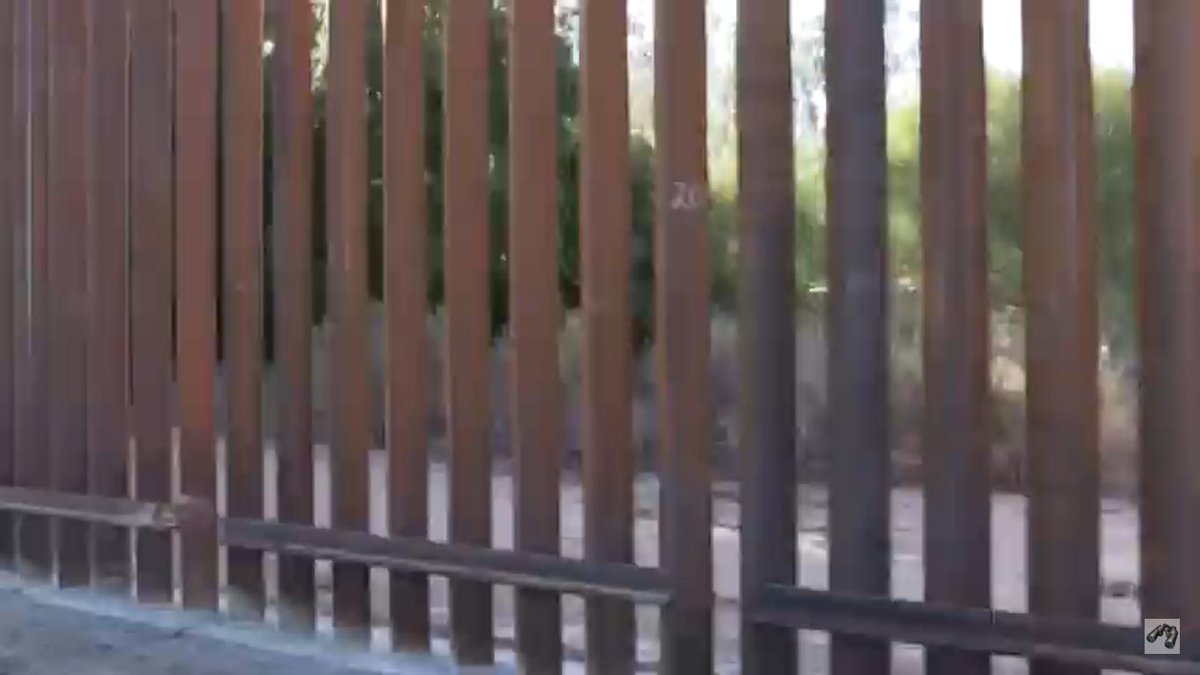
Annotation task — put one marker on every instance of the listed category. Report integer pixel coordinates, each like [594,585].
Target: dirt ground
[44,631]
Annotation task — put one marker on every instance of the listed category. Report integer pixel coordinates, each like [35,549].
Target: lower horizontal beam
[982,630]
[92,508]
[527,570]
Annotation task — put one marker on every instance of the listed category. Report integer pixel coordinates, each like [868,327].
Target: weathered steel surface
[116,511]
[67,215]
[458,561]
[1078,643]
[242,194]
[196,82]
[108,421]
[151,223]
[957,424]
[466,229]
[535,316]
[1062,340]
[31,464]
[292,172]
[682,333]
[767,323]
[406,241]
[10,198]
[604,242]
[346,228]
[856,181]
[1167,105]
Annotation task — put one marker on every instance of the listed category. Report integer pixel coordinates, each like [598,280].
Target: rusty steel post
[406,240]
[31,467]
[1167,105]
[67,214]
[466,233]
[292,174]
[957,418]
[196,80]
[107,283]
[681,331]
[768,324]
[856,187]
[604,242]
[535,317]
[151,224]
[10,193]
[346,229]
[242,193]
[1062,339]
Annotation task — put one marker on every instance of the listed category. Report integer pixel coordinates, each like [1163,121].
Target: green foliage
[568,171]
[1114,194]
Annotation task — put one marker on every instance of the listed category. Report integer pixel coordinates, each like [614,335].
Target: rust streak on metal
[406,269]
[346,225]
[605,250]
[466,227]
[196,78]
[957,436]
[151,223]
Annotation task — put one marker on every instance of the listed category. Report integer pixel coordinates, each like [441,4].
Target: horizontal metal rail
[528,570]
[983,630]
[95,509]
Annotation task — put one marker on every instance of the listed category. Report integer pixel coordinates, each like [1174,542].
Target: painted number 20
[686,196]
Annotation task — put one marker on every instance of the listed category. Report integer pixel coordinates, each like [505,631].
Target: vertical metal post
[151,224]
[292,173]
[241,151]
[346,166]
[682,333]
[767,328]
[1062,339]
[856,183]
[957,419]
[406,268]
[108,415]
[1166,106]
[31,463]
[196,77]
[67,215]
[536,316]
[10,192]
[604,241]
[467,330]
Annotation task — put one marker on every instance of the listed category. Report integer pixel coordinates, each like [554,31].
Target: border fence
[132,199]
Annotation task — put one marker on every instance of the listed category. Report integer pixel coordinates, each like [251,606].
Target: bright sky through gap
[1111,24]
[1111,27]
